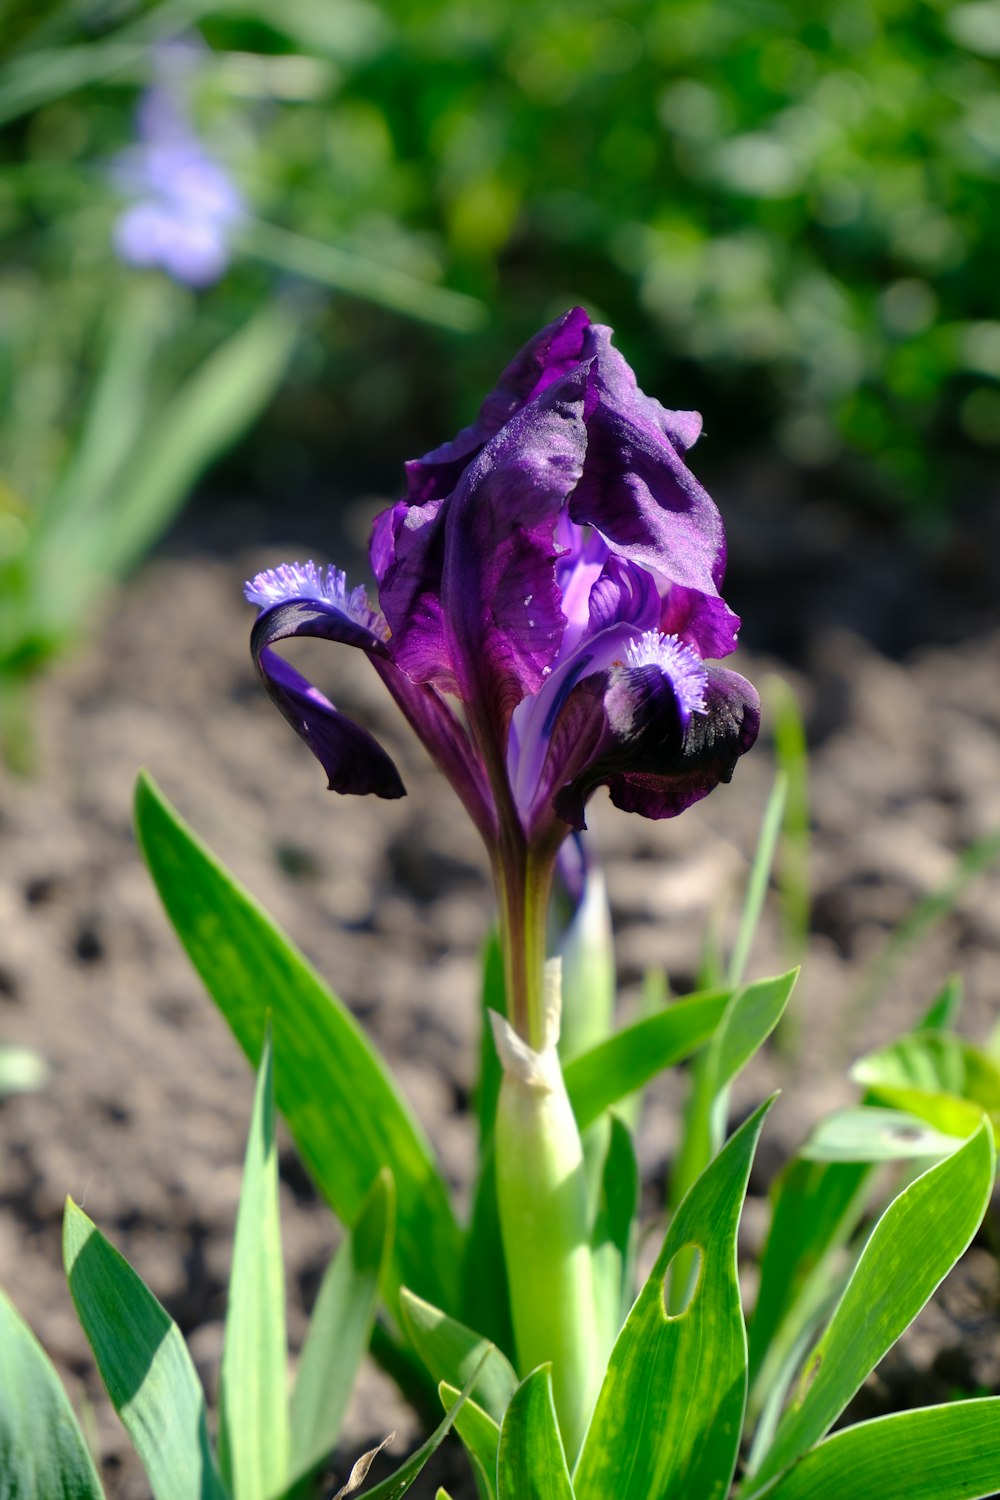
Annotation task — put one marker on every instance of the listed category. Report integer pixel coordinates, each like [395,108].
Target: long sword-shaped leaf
[760,874]
[211,409]
[42,1451]
[451,1352]
[253,1416]
[612,1241]
[481,1438]
[751,1015]
[911,1249]
[397,1484]
[670,1412]
[340,1330]
[611,1071]
[342,1106]
[144,1364]
[531,1461]
[938,1453]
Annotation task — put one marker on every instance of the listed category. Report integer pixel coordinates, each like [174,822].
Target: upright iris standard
[548,594]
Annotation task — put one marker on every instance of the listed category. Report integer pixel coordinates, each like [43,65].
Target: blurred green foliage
[787,212]
[793,207]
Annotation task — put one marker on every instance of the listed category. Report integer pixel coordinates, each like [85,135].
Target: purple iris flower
[186,204]
[548,595]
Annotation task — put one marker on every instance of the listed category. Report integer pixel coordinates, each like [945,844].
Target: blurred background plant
[788,216]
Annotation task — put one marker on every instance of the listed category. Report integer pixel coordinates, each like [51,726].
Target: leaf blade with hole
[670,1412]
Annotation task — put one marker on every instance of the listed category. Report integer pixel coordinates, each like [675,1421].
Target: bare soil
[144,1114]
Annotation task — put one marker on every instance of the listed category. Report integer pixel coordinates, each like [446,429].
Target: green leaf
[815,1209]
[211,410]
[760,875]
[944,1008]
[612,1240]
[611,1071]
[492,997]
[931,1073]
[947,1452]
[791,753]
[748,1020]
[531,1461]
[909,1252]
[144,1364]
[670,1412]
[341,1104]
[924,916]
[340,1330]
[867,1133]
[485,1290]
[360,276]
[42,1450]
[485,1287]
[397,1484]
[134,332]
[451,1352]
[253,1402]
[481,1437]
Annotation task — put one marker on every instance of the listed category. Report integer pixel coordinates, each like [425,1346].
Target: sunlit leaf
[868,1133]
[670,1412]
[531,1461]
[480,1435]
[912,1247]
[340,1330]
[253,1400]
[451,1352]
[348,1117]
[42,1451]
[939,1453]
[144,1364]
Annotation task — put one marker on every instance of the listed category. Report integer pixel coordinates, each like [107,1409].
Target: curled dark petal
[312,617]
[352,758]
[650,763]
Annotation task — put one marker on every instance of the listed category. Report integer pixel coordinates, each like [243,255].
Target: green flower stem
[523,881]
[545,1221]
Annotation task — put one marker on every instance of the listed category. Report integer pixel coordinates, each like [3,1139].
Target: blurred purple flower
[185,203]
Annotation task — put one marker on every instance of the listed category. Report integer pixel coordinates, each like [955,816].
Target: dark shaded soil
[144,1115]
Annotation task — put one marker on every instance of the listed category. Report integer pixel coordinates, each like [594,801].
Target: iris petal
[650,761]
[352,758]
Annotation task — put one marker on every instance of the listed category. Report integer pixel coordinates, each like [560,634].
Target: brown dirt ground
[144,1115]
